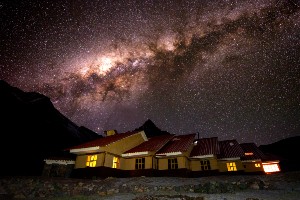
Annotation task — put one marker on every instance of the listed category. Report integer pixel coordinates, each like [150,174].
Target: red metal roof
[230,149]
[252,148]
[153,144]
[206,146]
[180,143]
[104,141]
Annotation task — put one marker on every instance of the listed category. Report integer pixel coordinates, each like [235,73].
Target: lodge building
[134,154]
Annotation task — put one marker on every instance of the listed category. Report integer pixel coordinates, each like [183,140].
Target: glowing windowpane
[231,166]
[116,162]
[91,161]
[268,168]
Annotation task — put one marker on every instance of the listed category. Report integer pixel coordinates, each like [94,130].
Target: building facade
[133,154]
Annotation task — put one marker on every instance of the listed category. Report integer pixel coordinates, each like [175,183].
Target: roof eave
[270,162]
[253,160]
[170,154]
[140,132]
[204,156]
[142,153]
[85,150]
[233,158]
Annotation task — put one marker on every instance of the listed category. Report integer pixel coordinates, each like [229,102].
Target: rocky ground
[245,187]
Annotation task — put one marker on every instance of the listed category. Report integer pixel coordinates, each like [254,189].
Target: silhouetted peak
[151,129]
[13,93]
[87,132]
[150,124]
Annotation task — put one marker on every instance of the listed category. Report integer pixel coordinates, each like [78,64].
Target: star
[221,68]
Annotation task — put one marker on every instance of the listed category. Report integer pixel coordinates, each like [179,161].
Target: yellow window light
[269,168]
[91,161]
[116,162]
[231,166]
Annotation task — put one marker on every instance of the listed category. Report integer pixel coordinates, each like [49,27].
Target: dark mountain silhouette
[88,133]
[32,129]
[151,129]
[287,150]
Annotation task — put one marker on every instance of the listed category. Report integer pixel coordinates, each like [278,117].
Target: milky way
[221,68]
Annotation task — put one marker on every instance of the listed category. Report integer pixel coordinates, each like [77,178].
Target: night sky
[221,68]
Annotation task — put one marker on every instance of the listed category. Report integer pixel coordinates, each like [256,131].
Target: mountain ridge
[151,129]
[287,150]
[35,129]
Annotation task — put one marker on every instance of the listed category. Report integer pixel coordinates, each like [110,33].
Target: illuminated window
[172,163]
[268,168]
[91,161]
[257,165]
[249,154]
[140,163]
[231,166]
[116,163]
[205,165]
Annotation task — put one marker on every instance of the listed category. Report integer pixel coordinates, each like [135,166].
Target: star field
[221,68]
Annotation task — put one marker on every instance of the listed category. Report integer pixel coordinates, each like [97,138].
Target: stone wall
[57,170]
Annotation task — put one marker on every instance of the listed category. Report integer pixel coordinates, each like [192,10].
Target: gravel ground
[281,186]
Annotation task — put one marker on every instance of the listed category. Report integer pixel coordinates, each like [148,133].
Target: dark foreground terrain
[245,187]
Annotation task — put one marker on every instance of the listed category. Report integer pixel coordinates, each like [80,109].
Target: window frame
[205,165]
[172,163]
[140,163]
[91,160]
[116,162]
[257,165]
[231,166]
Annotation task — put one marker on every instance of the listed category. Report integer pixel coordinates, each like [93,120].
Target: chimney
[110,132]
[197,139]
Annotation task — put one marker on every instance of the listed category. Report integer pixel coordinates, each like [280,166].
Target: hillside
[32,129]
[287,150]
